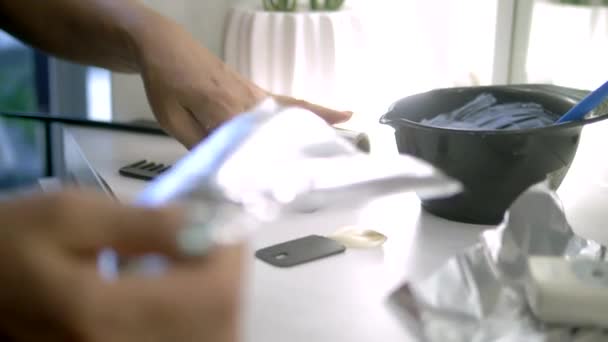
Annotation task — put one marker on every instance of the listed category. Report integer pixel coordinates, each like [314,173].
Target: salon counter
[341,298]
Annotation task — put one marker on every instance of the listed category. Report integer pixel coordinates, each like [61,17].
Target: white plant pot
[308,55]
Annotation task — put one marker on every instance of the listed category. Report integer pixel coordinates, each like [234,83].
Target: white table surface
[342,298]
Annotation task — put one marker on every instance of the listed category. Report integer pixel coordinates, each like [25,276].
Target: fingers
[193,120]
[88,222]
[212,282]
[137,231]
[174,303]
[329,115]
[221,268]
[191,301]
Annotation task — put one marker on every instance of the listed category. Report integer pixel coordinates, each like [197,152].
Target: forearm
[106,33]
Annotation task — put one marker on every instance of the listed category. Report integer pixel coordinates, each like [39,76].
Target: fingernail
[348,115]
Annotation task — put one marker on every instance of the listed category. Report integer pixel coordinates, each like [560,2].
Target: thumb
[138,231]
[94,223]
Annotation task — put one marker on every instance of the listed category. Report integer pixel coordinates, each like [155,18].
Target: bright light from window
[99,94]
[415,46]
[573,54]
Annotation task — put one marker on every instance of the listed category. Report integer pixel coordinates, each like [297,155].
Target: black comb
[143,169]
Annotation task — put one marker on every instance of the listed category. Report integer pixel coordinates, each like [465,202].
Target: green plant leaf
[582,2]
[333,5]
[280,5]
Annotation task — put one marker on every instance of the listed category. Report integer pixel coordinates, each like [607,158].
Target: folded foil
[289,161]
[268,165]
[479,295]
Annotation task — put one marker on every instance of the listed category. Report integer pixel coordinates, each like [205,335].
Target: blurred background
[396,48]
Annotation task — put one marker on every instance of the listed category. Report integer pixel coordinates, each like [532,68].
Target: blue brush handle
[589,103]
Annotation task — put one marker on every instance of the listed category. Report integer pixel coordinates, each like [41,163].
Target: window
[17,76]
[23,88]
[567,44]
[415,46]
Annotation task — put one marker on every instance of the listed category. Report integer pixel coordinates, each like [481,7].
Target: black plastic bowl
[496,166]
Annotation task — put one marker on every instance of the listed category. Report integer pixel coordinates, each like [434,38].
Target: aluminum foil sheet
[480,294]
[268,165]
[264,165]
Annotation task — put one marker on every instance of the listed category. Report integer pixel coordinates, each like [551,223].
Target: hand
[192,92]
[51,290]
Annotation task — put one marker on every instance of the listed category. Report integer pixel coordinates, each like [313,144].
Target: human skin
[190,90]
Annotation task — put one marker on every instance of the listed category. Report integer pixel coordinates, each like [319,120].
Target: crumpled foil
[479,295]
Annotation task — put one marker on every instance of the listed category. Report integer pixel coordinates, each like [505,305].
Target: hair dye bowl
[466,133]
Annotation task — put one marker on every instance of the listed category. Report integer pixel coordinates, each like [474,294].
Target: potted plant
[292,5]
[280,5]
[584,2]
[293,47]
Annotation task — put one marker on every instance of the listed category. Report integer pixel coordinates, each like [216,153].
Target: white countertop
[341,298]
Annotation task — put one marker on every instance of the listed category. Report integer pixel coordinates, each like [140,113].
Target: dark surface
[144,169]
[299,251]
[495,167]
